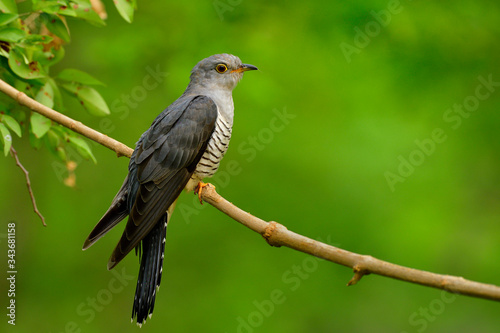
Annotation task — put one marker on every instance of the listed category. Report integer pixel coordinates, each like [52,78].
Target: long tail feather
[151,257]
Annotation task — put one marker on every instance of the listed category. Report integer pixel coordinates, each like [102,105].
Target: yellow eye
[221,68]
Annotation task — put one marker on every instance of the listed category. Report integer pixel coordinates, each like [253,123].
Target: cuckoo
[184,145]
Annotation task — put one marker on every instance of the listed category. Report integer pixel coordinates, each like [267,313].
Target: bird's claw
[198,189]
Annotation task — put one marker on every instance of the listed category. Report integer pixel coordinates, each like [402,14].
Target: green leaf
[75,75]
[39,124]
[61,153]
[89,98]
[66,9]
[58,102]
[7,18]
[126,9]
[56,26]
[53,138]
[53,141]
[83,10]
[82,147]
[4,53]
[54,7]
[46,95]
[6,139]
[50,57]
[24,87]
[11,123]
[22,67]
[8,6]
[37,39]
[12,35]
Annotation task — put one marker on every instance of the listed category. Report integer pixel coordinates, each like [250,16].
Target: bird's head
[220,71]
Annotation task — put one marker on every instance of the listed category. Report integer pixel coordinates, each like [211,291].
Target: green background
[322,174]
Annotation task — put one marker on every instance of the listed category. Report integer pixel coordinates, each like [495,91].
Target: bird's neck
[223,98]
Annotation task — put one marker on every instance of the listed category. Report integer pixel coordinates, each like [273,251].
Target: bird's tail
[151,256]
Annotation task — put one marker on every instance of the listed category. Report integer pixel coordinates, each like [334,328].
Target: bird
[183,146]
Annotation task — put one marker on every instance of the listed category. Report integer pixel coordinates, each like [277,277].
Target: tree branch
[13,152]
[119,148]
[278,235]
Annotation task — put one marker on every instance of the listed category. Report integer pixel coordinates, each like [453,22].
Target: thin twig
[278,235]
[13,152]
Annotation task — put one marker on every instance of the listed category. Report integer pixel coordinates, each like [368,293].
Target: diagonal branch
[278,235]
[119,148]
[13,152]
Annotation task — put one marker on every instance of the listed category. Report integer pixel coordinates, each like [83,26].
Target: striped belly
[217,147]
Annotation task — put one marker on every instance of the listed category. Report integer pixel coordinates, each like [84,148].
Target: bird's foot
[198,189]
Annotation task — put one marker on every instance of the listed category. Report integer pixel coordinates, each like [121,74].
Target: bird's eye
[221,68]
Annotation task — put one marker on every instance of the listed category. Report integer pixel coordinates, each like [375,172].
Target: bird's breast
[217,147]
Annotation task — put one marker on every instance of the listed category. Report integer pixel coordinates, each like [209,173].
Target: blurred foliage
[321,171]
[31,42]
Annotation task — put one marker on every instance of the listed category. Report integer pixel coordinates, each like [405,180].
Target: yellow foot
[198,189]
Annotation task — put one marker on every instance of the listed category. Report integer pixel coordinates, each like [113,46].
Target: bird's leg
[198,189]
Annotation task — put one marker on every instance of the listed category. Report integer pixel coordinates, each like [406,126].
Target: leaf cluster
[33,41]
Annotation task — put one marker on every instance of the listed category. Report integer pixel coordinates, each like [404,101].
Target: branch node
[272,232]
[20,95]
[75,124]
[209,194]
[358,274]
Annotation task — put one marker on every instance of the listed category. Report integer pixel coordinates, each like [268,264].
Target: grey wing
[114,215]
[161,166]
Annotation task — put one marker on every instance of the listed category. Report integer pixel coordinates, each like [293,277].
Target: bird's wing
[162,164]
[115,214]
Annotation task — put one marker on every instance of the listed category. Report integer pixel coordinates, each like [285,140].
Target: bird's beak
[244,68]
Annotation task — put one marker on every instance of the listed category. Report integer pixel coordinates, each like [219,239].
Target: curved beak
[244,68]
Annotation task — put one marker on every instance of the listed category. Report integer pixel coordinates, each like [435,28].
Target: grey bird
[184,145]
